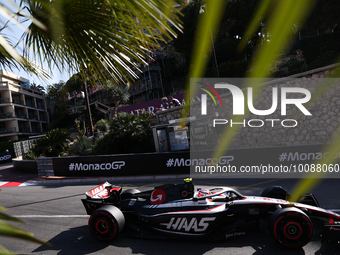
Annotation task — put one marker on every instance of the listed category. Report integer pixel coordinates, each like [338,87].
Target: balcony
[20,116]
[6,115]
[4,101]
[32,117]
[7,130]
[29,104]
[42,118]
[24,130]
[39,106]
[19,102]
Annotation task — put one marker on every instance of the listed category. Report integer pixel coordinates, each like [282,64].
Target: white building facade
[23,110]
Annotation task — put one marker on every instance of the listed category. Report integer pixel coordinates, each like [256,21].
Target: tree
[103,125]
[102,40]
[117,95]
[83,36]
[325,17]
[184,41]
[235,19]
[36,87]
[53,144]
[128,134]
[57,93]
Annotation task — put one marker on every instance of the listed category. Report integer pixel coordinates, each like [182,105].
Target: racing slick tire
[106,223]
[128,193]
[291,227]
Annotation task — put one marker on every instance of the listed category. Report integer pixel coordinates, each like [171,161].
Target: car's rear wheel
[291,227]
[106,223]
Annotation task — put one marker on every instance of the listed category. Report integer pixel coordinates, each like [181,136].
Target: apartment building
[23,110]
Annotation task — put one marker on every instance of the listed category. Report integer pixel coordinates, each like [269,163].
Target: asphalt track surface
[54,213]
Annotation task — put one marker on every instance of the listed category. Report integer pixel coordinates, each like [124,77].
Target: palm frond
[99,39]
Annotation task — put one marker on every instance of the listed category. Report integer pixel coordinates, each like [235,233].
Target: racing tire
[291,227]
[128,193]
[106,223]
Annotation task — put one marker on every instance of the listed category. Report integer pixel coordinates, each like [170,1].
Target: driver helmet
[203,193]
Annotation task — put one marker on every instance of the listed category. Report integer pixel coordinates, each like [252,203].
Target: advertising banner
[119,165]
[6,157]
[270,162]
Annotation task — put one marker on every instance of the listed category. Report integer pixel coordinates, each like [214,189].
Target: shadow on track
[79,241]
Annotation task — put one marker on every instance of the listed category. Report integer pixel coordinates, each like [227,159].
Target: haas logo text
[185,224]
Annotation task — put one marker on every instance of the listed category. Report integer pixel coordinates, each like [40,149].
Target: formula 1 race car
[178,211]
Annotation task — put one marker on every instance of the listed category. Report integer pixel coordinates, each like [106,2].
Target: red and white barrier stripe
[15,184]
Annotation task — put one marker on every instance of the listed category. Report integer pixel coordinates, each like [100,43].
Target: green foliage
[133,132]
[236,68]
[82,147]
[315,47]
[236,18]
[86,36]
[175,64]
[96,114]
[292,66]
[7,145]
[326,58]
[9,230]
[30,155]
[103,125]
[128,134]
[324,16]
[185,40]
[54,144]
[81,130]
[116,95]
[106,145]
[226,50]
[57,93]
[64,119]
[74,83]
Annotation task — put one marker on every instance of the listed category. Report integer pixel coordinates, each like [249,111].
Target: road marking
[10,184]
[51,216]
[16,184]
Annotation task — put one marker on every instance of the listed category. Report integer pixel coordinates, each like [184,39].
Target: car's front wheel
[291,227]
[106,223]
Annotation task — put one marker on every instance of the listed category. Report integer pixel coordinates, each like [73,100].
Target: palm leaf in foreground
[92,36]
[9,230]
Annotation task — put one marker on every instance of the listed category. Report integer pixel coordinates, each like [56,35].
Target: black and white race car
[178,211]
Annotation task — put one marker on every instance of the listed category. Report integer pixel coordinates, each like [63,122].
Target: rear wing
[103,191]
[104,194]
